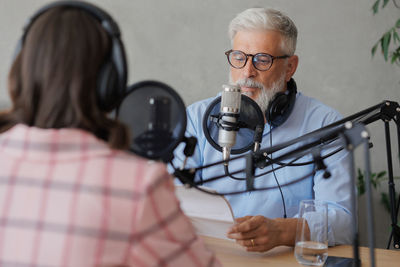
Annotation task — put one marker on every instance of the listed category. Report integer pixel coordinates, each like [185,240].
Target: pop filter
[156,117]
[250,122]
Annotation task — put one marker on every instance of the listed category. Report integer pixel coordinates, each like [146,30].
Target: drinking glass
[312,233]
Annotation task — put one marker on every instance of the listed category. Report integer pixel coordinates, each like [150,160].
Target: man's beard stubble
[266,94]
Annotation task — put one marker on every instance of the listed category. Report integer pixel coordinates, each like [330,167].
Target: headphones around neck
[112,77]
[280,107]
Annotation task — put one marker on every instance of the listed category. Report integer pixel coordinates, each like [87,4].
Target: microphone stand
[354,137]
[390,111]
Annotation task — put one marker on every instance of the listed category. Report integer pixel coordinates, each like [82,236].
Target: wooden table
[231,254]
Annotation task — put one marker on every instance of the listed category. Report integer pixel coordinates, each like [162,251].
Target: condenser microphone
[158,133]
[160,114]
[229,113]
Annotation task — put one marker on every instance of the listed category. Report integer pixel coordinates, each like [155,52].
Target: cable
[282,165]
[276,179]
[291,164]
[227,173]
[244,191]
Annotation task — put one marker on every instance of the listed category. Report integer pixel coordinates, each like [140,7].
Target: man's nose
[249,71]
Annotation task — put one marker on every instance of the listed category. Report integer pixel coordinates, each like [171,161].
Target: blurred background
[182,43]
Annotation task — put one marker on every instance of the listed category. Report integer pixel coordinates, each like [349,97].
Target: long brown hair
[52,82]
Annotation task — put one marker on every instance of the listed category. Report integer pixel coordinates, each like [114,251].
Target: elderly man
[263,61]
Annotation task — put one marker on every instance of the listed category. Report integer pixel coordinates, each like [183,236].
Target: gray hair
[266,19]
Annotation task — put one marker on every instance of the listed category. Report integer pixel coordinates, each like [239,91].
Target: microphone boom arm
[386,111]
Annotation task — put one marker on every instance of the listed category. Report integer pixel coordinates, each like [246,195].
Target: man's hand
[260,234]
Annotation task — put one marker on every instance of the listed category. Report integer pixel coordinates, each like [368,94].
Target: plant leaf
[373,182]
[384,3]
[381,174]
[375,7]
[385,44]
[385,201]
[398,23]
[373,50]
[396,37]
[395,56]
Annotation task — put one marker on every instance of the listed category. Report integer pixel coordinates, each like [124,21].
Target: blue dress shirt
[308,115]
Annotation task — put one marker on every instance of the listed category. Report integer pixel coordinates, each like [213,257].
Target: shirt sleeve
[336,191]
[165,235]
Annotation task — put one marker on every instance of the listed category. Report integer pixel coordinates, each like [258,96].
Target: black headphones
[111,80]
[280,107]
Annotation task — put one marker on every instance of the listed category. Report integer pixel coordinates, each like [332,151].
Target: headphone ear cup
[281,105]
[112,78]
[276,108]
[107,87]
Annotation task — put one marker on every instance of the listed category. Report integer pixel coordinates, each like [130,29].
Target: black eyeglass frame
[227,53]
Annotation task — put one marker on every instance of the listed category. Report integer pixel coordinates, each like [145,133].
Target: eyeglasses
[261,61]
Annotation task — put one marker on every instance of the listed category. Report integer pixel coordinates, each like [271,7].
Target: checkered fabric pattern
[67,199]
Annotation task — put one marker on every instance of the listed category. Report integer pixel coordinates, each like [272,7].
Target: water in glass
[311,253]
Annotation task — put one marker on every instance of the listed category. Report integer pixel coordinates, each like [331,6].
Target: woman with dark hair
[69,194]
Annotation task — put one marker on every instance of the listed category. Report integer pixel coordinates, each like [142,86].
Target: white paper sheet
[210,215]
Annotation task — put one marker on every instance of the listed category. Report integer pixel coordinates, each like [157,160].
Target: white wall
[182,42]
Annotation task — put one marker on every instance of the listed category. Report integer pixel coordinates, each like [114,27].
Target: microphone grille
[231,98]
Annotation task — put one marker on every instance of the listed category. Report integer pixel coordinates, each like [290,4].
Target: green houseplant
[389,43]
[376,179]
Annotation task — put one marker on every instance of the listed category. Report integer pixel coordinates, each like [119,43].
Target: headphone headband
[112,78]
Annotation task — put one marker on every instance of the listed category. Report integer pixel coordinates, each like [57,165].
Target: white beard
[266,94]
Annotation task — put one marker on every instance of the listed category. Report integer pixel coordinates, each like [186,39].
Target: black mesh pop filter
[251,123]
[156,117]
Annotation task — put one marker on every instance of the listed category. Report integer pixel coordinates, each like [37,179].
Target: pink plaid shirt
[67,199]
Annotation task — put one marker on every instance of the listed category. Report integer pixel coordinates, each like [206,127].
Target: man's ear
[293,61]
